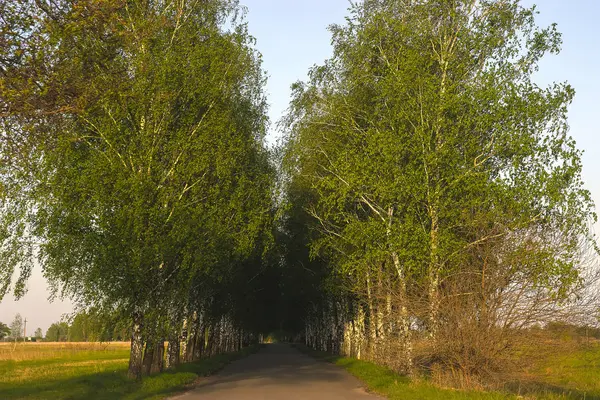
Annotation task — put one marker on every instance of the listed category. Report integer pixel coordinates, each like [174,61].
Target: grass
[92,372]
[383,381]
[575,375]
[571,374]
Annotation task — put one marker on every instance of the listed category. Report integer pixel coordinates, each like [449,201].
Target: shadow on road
[280,371]
[276,362]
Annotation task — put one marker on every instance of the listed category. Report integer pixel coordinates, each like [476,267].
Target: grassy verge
[564,374]
[385,382]
[560,376]
[98,375]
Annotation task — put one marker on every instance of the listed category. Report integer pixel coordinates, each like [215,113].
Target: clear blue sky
[292,36]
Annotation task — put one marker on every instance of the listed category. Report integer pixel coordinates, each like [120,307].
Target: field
[563,371]
[560,374]
[88,371]
[97,371]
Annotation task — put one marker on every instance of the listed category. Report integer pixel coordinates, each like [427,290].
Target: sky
[292,36]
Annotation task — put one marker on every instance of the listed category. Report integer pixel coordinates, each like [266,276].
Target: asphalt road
[279,371]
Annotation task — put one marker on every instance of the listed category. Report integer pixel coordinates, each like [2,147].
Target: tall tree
[424,140]
[86,327]
[16,327]
[58,332]
[147,122]
[4,330]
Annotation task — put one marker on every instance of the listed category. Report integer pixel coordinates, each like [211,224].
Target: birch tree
[425,137]
[16,328]
[146,122]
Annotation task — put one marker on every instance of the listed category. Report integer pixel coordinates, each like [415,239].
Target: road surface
[279,371]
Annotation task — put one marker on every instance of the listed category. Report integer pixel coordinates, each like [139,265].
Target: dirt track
[279,371]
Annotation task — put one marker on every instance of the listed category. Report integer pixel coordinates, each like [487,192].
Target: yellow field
[47,350]
[90,371]
[58,370]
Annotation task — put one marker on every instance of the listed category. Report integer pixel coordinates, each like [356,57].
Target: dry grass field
[47,350]
[89,371]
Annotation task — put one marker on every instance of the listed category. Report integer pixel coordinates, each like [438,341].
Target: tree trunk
[209,340]
[433,196]
[148,357]
[219,338]
[199,342]
[372,334]
[192,331]
[135,356]
[406,340]
[183,341]
[173,352]
[433,293]
[360,332]
[158,357]
[405,335]
[385,321]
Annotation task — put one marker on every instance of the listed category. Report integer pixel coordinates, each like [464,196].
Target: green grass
[98,375]
[91,372]
[383,381]
[566,377]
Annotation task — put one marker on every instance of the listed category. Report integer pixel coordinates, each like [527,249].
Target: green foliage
[57,332]
[570,330]
[16,327]
[90,326]
[426,137]
[86,327]
[16,250]
[148,180]
[150,192]
[4,330]
[38,333]
[422,156]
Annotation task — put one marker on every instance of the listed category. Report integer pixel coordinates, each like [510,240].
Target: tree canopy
[57,332]
[16,327]
[144,124]
[427,188]
[4,330]
[429,155]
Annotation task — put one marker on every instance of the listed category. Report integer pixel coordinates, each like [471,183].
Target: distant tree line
[89,326]
[85,326]
[4,330]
